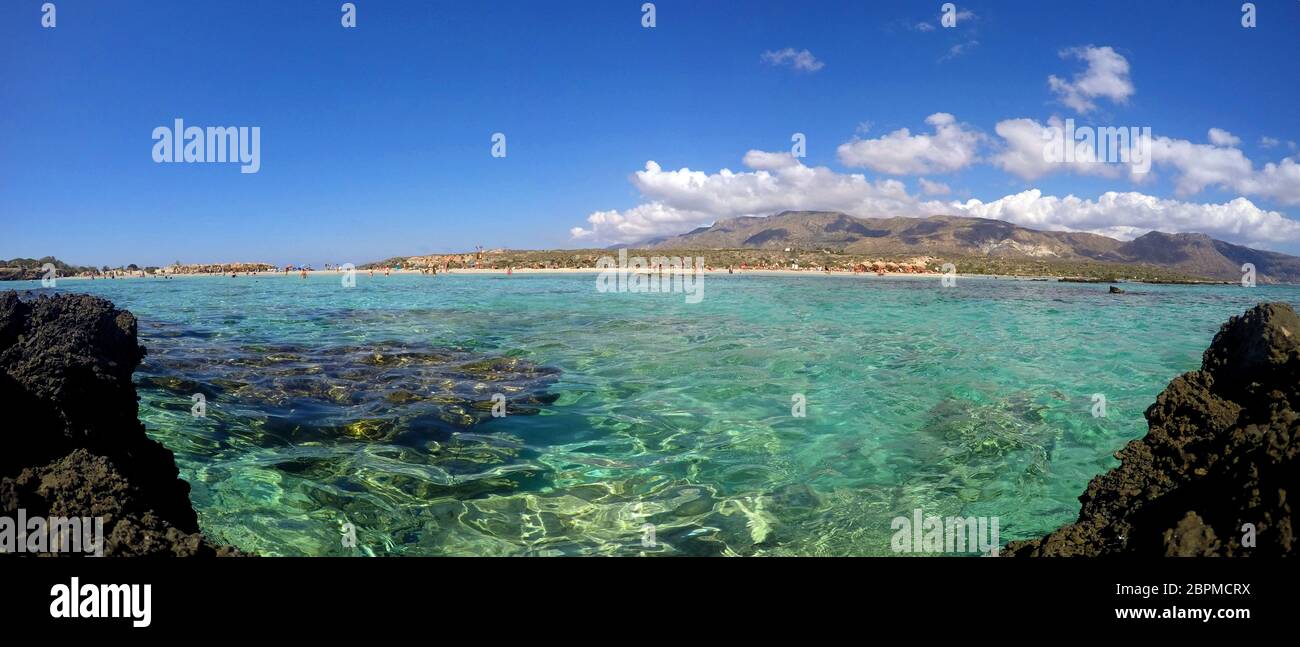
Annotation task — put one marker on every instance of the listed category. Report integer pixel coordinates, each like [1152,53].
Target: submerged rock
[75,446]
[1213,474]
[383,391]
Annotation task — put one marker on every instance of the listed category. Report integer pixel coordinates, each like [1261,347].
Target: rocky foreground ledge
[1221,453]
[74,446]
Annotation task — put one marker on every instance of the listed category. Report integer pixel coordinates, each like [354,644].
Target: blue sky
[375,141]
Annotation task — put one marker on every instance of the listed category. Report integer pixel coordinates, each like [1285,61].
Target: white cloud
[768,161]
[959,49]
[1107,76]
[1128,215]
[677,201]
[962,16]
[1279,180]
[639,223]
[951,147]
[800,60]
[1200,165]
[1204,165]
[1197,166]
[1220,137]
[683,199]
[933,188]
[1268,142]
[1021,153]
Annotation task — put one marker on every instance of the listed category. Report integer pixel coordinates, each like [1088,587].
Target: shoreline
[714,271]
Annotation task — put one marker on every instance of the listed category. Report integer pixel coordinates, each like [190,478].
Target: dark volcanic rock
[74,446]
[1221,452]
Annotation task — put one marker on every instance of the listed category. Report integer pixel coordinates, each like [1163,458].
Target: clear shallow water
[372,406]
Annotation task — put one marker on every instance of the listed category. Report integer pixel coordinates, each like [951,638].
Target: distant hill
[1200,254]
[1192,254]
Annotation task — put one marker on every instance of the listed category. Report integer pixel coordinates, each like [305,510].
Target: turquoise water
[372,406]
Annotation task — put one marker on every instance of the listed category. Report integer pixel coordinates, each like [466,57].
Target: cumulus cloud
[1197,166]
[639,223]
[1106,76]
[1204,165]
[679,200]
[1200,165]
[933,188]
[683,199]
[1280,181]
[1220,137]
[1021,152]
[950,147]
[1128,215]
[803,61]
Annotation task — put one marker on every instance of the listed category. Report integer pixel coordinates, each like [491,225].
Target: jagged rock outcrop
[1221,453]
[74,446]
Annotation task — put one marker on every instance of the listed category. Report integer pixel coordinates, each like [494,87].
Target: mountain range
[958,236]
